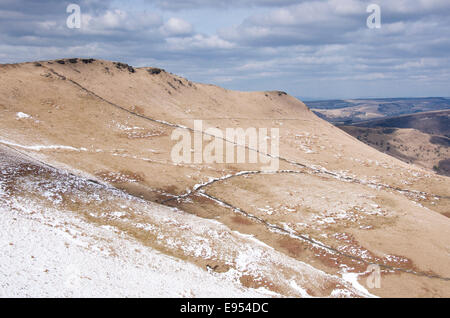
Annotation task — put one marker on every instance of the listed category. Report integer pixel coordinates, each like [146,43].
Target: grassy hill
[85,158]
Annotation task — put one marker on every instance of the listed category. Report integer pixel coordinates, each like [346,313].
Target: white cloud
[195,4]
[116,22]
[176,27]
[199,41]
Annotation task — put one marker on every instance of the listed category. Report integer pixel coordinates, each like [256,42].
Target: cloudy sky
[319,49]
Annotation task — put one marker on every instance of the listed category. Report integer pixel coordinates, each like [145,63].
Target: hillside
[433,123]
[422,138]
[409,145]
[86,150]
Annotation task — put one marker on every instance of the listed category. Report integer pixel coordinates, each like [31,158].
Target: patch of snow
[252,238]
[303,293]
[21,115]
[38,260]
[352,278]
[42,147]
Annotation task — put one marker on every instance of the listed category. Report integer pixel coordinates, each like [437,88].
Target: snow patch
[21,115]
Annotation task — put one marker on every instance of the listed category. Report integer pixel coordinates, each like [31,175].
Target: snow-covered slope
[67,236]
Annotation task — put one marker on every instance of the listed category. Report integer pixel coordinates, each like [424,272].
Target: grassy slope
[98,120]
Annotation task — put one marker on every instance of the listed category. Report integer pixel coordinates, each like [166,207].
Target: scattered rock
[121,66]
[87,61]
[155,71]
[61,62]
[73,61]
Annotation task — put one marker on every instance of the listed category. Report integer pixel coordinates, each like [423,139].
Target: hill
[421,138]
[345,112]
[86,154]
[433,123]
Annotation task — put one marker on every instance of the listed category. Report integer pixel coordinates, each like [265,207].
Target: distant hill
[434,123]
[422,138]
[355,110]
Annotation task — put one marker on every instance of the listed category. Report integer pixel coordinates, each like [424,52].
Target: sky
[319,49]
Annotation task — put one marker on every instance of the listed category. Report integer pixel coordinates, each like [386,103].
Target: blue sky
[312,49]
